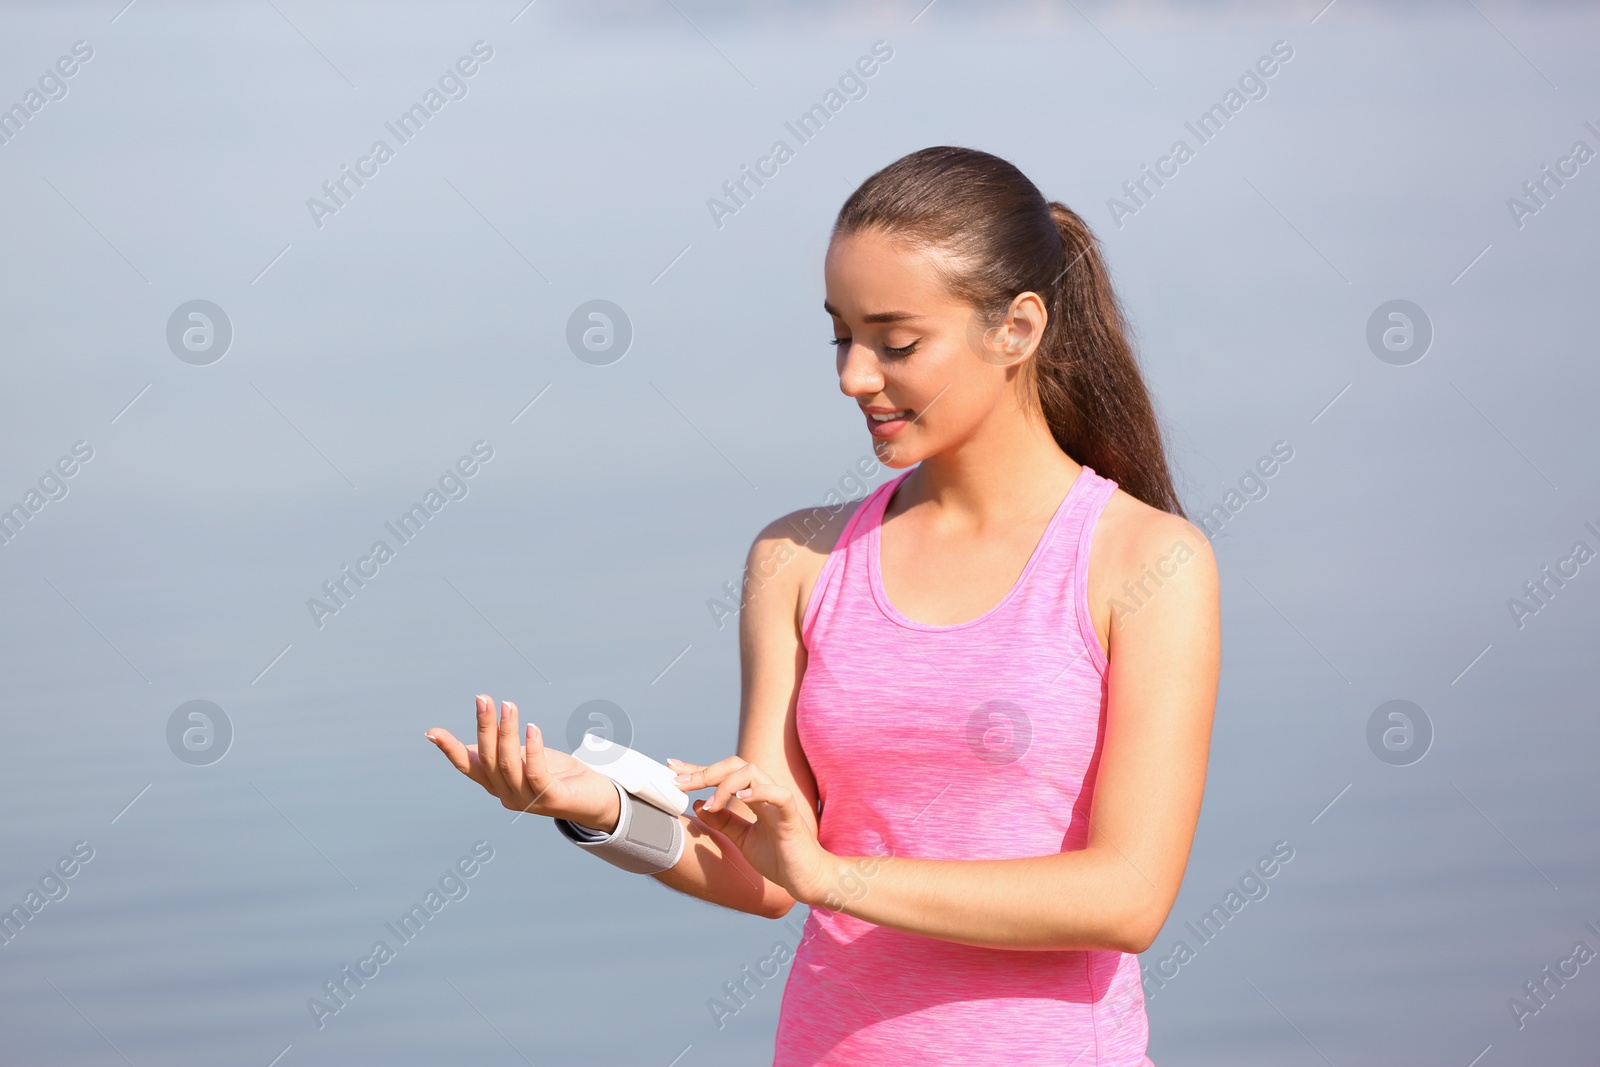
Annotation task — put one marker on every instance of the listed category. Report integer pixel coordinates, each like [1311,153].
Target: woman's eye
[898,353]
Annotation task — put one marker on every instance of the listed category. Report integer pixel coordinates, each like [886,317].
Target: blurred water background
[374,345]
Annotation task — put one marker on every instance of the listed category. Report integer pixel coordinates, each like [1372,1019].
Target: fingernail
[680,779]
[743,793]
[673,762]
[428,736]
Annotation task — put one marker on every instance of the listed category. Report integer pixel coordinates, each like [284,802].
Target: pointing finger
[702,777]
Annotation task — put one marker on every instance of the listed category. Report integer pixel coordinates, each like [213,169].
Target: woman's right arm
[779,572]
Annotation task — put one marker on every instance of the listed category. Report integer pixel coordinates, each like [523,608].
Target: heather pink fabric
[967,742]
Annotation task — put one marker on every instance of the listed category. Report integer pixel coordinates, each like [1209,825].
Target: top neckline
[875,553]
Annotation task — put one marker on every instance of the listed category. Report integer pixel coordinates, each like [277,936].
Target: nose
[859,371]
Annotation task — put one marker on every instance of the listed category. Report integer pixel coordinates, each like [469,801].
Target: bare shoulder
[1130,530]
[789,552]
[1136,551]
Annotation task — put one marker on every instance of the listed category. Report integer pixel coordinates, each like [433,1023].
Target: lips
[885,423]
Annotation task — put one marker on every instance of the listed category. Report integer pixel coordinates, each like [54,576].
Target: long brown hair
[1006,238]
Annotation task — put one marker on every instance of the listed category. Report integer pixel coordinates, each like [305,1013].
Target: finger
[508,752]
[709,776]
[732,782]
[776,801]
[536,777]
[488,731]
[731,823]
[458,754]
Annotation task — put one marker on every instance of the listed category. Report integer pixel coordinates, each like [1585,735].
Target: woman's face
[909,349]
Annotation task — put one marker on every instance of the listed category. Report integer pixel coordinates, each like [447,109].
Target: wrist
[607,818]
[645,839]
[825,889]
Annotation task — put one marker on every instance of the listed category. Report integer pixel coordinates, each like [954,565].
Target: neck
[1010,467]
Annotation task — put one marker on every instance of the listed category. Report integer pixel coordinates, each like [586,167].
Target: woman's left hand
[781,843]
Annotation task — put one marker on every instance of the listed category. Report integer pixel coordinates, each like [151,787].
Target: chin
[896,456]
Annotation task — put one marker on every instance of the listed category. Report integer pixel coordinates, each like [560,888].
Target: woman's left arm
[1164,651]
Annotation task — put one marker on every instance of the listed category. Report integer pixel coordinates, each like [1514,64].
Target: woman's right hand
[532,778]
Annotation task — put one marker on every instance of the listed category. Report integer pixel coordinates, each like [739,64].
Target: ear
[1020,331]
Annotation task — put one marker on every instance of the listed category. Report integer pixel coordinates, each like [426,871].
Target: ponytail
[1008,239]
[1088,381]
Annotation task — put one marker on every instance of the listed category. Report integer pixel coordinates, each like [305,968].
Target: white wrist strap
[646,839]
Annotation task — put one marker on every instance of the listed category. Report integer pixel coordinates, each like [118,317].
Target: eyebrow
[877,316]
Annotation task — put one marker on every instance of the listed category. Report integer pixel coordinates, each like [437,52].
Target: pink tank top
[974,741]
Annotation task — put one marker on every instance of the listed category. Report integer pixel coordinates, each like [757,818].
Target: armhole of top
[1091,520]
[831,564]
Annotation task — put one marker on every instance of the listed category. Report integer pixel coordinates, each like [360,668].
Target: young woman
[976,707]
